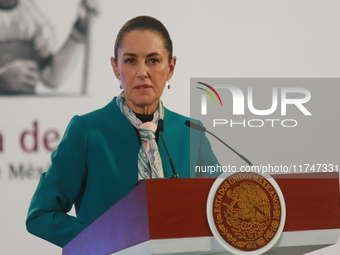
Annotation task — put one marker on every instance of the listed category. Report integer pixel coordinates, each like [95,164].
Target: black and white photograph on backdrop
[97,98]
[26,47]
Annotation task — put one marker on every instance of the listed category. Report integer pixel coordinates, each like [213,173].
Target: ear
[172,67]
[115,68]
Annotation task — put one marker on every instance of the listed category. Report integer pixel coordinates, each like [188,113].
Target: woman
[104,153]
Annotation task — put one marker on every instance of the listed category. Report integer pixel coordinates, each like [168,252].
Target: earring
[167,84]
[120,85]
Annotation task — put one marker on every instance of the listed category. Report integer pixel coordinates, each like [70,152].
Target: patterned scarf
[149,160]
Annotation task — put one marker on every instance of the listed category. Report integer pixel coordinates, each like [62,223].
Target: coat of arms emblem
[246,211]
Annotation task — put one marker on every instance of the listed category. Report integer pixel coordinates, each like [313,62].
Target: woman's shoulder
[173,116]
[107,111]
[105,116]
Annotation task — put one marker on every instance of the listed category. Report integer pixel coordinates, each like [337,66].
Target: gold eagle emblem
[249,203]
[247,211]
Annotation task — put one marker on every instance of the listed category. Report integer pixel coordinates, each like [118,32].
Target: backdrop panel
[218,38]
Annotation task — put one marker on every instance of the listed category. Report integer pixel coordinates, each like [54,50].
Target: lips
[143,86]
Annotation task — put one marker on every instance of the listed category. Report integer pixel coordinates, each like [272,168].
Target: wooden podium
[168,216]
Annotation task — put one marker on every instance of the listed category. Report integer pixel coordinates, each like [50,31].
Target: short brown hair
[144,23]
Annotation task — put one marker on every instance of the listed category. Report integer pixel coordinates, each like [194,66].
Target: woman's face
[142,66]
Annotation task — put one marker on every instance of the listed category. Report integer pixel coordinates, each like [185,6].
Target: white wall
[262,38]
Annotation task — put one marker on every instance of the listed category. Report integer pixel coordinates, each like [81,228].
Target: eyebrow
[134,55]
[153,54]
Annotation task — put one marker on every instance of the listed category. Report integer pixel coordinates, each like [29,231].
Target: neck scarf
[149,160]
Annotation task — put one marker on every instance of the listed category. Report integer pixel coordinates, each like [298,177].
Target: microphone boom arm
[193,125]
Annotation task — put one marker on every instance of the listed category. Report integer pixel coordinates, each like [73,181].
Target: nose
[142,70]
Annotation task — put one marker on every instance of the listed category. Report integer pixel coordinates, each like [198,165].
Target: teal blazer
[95,165]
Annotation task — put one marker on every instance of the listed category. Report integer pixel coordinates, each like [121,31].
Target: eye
[153,60]
[129,60]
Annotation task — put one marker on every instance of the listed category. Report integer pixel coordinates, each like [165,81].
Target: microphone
[190,124]
[195,126]
[161,129]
